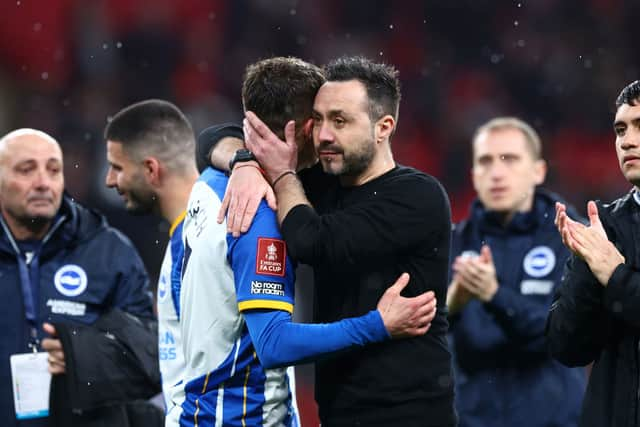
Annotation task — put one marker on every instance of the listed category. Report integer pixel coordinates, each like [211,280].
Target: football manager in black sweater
[360,220]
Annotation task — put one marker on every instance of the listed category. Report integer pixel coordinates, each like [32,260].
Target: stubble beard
[142,203]
[354,162]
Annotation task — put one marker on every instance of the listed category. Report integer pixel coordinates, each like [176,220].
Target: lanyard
[30,280]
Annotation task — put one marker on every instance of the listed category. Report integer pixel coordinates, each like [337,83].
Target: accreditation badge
[31,380]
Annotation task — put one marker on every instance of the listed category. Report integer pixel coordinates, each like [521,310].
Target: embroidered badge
[270,258]
[70,280]
[539,261]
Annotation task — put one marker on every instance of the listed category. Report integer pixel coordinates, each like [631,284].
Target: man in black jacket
[61,264]
[596,314]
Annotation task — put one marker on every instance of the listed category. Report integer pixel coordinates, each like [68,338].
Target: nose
[43,180]
[497,170]
[631,139]
[110,179]
[325,133]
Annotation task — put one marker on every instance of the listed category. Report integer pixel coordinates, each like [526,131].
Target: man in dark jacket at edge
[60,264]
[507,259]
[595,316]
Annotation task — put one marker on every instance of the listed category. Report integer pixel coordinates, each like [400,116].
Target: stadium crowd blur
[66,64]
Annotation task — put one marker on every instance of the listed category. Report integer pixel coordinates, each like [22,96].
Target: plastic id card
[31,380]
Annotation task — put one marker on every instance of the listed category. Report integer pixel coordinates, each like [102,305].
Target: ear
[152,170]
[384,128]
[307,128]
[540,171]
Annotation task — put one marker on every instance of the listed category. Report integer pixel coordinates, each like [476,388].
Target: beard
[141,203]
[354,162]
[141,199]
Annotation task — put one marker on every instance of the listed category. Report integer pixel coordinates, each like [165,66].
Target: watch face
[241,155]
[244,154]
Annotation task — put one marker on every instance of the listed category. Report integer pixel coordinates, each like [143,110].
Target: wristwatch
[241,155]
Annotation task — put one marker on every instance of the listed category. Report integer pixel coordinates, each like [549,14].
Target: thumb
[592,211]
[401,282]
[485,254]
[50,329]
[290,132]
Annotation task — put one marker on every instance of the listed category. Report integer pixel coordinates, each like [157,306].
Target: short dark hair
[154,127]
[280,89]
[380,80]
[630,95]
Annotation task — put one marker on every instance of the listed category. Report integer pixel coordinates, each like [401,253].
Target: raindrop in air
[44,75]
[119,45]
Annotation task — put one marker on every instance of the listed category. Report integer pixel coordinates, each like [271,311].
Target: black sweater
[359,240]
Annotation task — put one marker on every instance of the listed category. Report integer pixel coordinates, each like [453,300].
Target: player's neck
[175,196]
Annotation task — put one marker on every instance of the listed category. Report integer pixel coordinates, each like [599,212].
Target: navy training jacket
[82,268]
[505,375]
